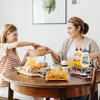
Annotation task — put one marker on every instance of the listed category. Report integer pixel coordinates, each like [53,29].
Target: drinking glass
[70,61]
[31,61]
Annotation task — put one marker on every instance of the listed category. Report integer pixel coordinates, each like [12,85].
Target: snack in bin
[56,75]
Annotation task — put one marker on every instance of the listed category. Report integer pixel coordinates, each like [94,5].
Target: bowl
[42,72]
[44,64]
[64,62]
[37,52]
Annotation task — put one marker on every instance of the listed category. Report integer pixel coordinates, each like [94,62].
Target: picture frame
[74,2]
[49,11]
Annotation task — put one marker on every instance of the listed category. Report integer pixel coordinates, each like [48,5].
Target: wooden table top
[39,82]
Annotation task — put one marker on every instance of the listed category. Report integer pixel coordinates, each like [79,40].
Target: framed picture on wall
[49,11]
[74,1]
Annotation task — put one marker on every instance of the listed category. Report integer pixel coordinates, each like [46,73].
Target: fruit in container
[38,66]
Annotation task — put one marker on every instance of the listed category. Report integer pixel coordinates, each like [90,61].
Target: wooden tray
[29,74]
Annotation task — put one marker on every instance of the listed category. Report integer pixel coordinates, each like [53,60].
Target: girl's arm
[24,59]
[97,56]
[22,44]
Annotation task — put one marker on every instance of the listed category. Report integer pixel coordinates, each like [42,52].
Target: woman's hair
[76,21]
[7,29]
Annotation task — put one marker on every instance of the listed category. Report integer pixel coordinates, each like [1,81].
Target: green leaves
[49,5]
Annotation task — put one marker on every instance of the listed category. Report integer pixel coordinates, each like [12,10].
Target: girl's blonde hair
[7,29]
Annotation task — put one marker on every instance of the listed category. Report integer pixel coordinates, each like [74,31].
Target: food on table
[46,68]
[56,75]
[38,66]
[41,65]
[28,69]
[59,68]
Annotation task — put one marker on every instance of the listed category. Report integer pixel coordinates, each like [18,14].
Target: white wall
[19,12]
[88,10]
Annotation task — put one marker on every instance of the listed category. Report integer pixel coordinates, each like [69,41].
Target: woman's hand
[94,55]
[97,56]
[53,54]
[48,50]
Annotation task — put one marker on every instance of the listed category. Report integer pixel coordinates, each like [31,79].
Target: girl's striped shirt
[8,60]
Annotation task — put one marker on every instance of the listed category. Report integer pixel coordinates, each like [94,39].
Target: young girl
[9,57]
[76,28]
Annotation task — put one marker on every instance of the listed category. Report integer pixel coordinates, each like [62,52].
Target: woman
[76,28]
[10,59]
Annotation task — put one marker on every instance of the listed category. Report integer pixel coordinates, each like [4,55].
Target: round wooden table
[38,87]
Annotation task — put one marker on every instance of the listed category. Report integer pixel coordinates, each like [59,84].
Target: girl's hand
[24,59]
[26,55]
[35,45]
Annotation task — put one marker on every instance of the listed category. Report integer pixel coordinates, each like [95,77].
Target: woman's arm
[22,44]
[97,56]
[53,54]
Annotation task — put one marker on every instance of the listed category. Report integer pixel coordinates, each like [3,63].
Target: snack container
[57,76]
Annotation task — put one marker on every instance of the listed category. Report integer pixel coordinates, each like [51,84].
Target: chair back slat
[93,83]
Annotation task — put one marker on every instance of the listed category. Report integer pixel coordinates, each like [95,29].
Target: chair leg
[2,98]
[10,93]
[94,96]
[47,98]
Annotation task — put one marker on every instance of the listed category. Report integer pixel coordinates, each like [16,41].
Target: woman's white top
[71,50]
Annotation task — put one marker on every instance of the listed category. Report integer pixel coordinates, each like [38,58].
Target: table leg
[47,98]
[10,93]
[62,92]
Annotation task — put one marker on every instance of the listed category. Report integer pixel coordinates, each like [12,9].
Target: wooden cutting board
[29,74]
